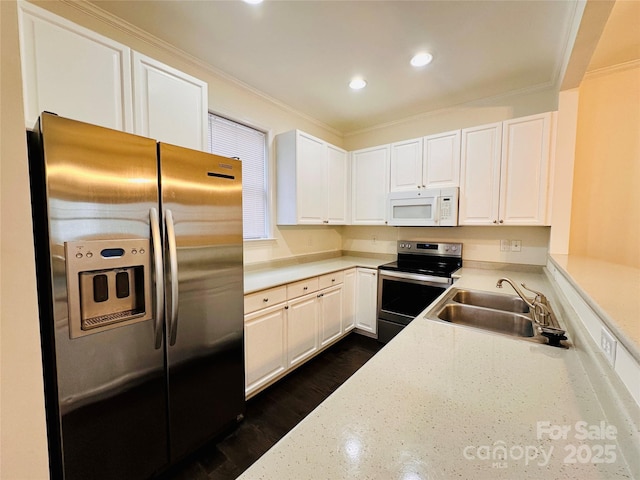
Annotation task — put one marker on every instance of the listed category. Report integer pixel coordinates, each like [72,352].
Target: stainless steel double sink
[498,313]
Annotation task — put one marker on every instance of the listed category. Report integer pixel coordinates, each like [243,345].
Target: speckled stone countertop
[443,401]
[255,280]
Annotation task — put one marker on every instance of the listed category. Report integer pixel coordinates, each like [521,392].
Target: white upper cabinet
[480,175]
[441,160]
[312,181]
[525,170]
[504,172]
[76,73]
[337,185]
[73,72]
[406,165]
[429,162]
[169,105]
[370,185]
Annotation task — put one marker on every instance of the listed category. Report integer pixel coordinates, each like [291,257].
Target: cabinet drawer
[331,279]
[264,298]
[302,287]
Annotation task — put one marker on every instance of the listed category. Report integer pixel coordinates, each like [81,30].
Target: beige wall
[605,217]
[479,243]
[23,445]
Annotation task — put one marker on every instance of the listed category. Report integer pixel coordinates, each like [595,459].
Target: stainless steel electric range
[422,272]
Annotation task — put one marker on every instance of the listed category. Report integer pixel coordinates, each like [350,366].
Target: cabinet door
[406,165]
[337,193]
[330,314]
[366,299]
[442,160]
[265,343]
[302,328]
[349,300]
[525,170]
[480,175]
[73,72]
[370,185]
[311,172]
[169,105]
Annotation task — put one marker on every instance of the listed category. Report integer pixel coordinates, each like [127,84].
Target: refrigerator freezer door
[203,192]
[105,391]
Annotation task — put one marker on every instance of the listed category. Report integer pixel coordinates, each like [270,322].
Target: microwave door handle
[156,247]
[436,205]
[173,277]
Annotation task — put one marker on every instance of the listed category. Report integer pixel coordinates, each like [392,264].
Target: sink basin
[498,321]
[497,313]
[508,303]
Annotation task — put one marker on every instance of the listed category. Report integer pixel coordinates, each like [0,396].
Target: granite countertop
[443,401]
[260,279]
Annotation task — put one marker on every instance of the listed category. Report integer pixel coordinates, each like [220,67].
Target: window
[232,139]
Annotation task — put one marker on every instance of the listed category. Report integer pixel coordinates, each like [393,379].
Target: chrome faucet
[538,305]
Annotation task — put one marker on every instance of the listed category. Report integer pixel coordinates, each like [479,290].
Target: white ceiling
[303,53]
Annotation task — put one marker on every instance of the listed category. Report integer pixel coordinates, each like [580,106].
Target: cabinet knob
[265,299]
[333,279]
[495,221]
[320,295]
[325,221]
[501,221]
[286,307]
[306,288]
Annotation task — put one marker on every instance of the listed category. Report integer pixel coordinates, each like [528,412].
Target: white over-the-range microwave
[433,207]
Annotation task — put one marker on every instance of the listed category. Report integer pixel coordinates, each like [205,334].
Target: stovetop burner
[427,258]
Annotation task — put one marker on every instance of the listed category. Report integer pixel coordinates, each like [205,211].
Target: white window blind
[232,139]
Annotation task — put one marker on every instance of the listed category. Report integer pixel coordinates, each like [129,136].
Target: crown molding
[620,67]
[441,111]
[128,28]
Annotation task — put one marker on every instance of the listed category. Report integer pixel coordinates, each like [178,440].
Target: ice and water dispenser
[108,284]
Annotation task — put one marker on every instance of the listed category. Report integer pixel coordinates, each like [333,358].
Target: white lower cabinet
[302,328]
[311,315]
[265,343]
[330,310]
[349,300]
[366,300]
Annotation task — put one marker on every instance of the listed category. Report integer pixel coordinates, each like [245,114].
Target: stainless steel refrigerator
[139,263]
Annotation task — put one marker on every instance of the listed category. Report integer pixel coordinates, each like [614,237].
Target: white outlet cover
[608,345]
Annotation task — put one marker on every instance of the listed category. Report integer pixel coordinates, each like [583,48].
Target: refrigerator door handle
[156,246]
[173,277]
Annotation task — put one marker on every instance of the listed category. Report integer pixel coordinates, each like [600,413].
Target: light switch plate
[505,246]
[608,345]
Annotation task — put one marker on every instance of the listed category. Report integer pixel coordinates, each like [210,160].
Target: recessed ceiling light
[357,83]
[421,59]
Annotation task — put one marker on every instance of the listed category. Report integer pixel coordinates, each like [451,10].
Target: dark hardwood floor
[276,410]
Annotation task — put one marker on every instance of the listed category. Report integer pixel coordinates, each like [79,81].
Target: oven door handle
[415,276]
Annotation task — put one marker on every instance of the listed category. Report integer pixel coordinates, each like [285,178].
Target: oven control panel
[417,247]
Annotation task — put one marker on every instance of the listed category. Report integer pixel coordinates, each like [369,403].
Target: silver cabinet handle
[173,276]
[156,247]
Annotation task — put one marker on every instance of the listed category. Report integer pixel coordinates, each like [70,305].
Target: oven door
[401,298]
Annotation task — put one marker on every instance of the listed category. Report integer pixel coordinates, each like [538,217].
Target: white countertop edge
[257,280]
[630,344]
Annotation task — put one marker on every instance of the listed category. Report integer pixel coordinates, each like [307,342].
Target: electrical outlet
[374,239]
[516,245]
[505,246]
[608,345]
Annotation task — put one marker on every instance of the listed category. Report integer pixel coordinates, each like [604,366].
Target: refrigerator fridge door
[202,213]
[92,193]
